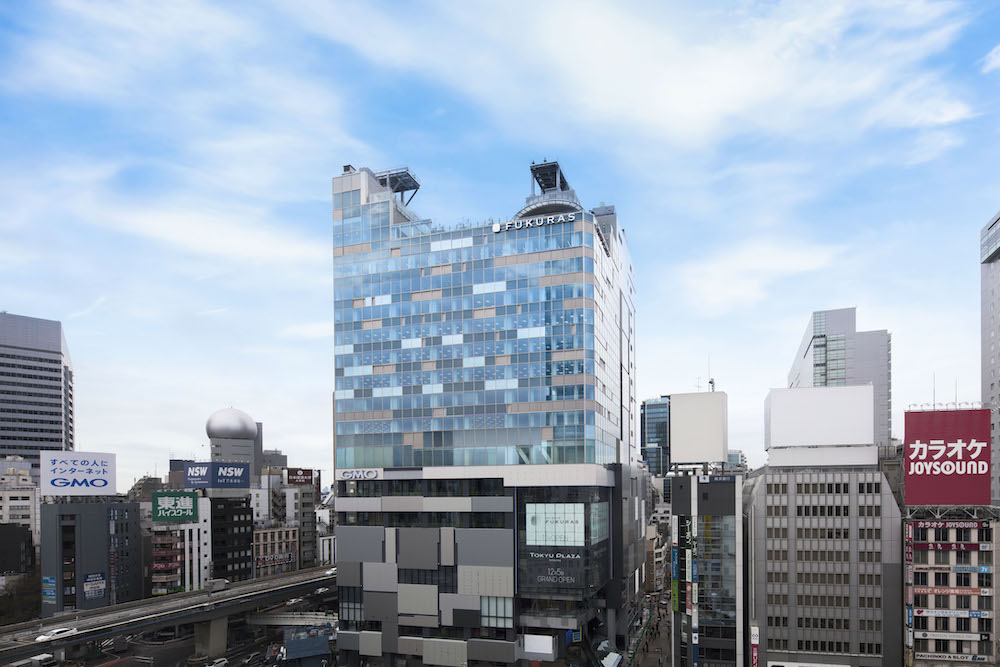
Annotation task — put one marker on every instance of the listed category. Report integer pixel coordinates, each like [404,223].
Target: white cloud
[97,303]
[991,62]
[687,78]
[739,277]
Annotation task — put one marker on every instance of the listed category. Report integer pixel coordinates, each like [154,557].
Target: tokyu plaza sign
[533,222]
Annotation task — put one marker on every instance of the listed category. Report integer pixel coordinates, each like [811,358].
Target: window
[497,612]
[963,580]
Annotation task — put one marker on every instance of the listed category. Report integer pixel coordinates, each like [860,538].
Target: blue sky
[164,179]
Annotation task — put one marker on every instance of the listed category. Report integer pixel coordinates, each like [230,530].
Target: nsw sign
[217,475]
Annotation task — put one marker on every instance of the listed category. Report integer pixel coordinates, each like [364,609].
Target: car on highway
[332,571]
[294,601]
[220,662]
[253,657]
[56,633]
[321,590]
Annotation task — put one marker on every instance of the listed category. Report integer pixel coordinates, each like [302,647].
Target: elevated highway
[208,611]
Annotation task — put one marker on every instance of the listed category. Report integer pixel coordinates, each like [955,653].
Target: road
[150,614]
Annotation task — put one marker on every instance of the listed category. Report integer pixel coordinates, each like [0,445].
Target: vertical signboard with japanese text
[77,474]
[947,457]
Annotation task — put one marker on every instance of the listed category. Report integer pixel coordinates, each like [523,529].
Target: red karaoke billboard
[947,457]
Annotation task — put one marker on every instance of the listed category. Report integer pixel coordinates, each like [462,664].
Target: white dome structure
[231,424]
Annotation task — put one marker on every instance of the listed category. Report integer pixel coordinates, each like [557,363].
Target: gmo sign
[360,473]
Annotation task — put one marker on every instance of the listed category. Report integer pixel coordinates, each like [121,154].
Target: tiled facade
[825,564]
[484,437]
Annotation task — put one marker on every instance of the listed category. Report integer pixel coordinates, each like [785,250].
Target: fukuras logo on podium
[533,222]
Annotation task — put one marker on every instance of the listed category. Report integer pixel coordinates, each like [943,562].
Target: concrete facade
[36,388]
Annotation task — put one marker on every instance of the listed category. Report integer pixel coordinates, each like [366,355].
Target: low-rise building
[275,550]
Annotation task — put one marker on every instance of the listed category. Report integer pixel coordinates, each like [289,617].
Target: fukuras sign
[359,473]
[947,457]
[77,474]
[533,222]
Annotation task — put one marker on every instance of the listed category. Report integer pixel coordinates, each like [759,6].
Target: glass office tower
[484,409]
[654,430]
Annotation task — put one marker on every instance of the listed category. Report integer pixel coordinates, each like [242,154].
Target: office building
[90,555]
[274,458]
[823,535]
[18,552]
[36,388]
[834,353]
[20,502]
[736,459]
[654,432]
[286,497]
[989,341]
[275,550]
[182,549]
[488,492]
[949,537]
[232,539]
[706,575]
[234,437]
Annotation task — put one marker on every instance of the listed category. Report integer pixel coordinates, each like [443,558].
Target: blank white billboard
[65,473]
[699,427]
[819,416]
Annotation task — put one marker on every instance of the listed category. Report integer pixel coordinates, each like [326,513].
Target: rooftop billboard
[217,475]
[947,457]
[77,474]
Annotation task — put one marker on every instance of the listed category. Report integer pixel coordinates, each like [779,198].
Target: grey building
[36,388]
[989,309]
[488,494]
[273,458]
[834,353]
[823,538]
[706,564]
[91,555]
[235,437]
[654,433]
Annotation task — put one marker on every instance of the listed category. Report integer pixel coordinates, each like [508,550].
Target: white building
[19,498]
